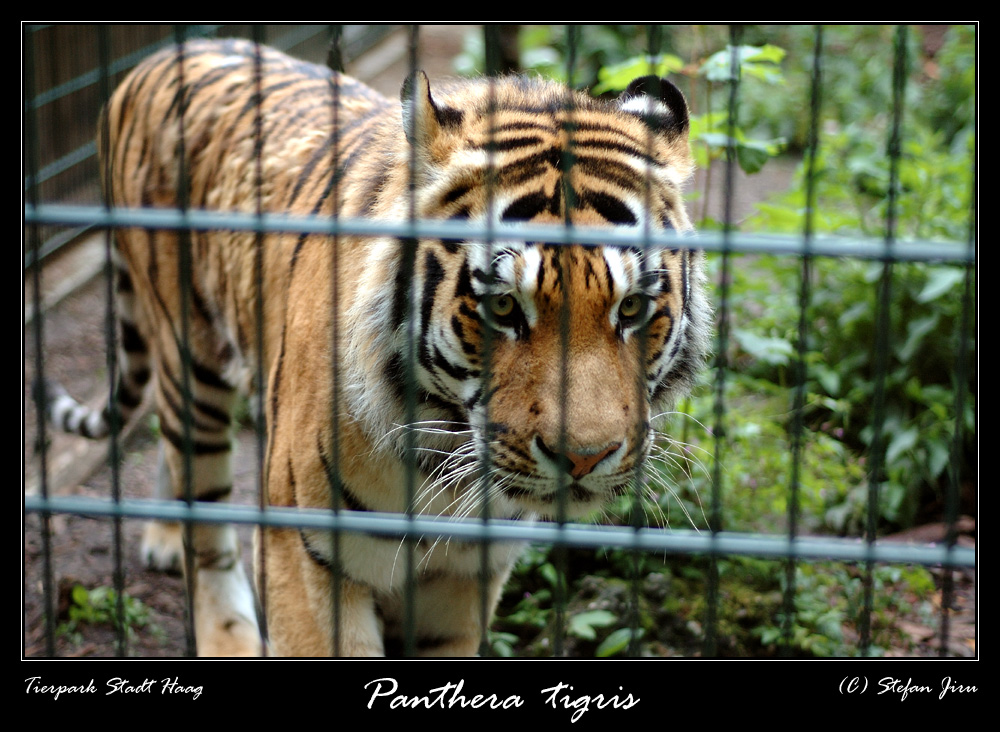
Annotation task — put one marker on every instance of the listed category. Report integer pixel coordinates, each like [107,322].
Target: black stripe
[400,294]
[463,284]
[534,124]
[394,373]
[197,447]
[608,207]
[455,193]
[219,418]
[208,376]
[459,373]
[611,170]
[124,281]
[433,277]
[512,143]
[528,207]
[449,116]
[312,553]
[212,495]
[450,245]
[339,496]
[126,398]
[468,348]
[131,339]
[604,145]
[323,153]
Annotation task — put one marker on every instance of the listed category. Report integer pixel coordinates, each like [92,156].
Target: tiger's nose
[577,464]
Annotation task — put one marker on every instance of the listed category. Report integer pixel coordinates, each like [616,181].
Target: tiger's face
[579,341]
[541,367]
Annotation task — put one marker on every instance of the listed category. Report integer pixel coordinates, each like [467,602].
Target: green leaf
[940,282]
[752,157]
[582,624]
[938,458]
[900,443]
[916,331]
[750,154]
[550,573]
[775,351]
[616,77]
[80,596]
[616,642]
[756,61]
[828,378]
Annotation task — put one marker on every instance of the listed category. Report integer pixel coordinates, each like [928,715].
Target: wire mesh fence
[880,435]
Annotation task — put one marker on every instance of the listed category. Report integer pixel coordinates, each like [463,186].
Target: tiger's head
[539,368]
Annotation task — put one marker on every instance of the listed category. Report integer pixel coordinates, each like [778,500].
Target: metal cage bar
[809,246]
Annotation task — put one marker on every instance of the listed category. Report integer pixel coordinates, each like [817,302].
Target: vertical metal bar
[722,360]
[567,161]
[798,428]
[335,62]
[260,376]
[335,52]
[408,266]
[964,343]
[491,44]
[114,414]
[485,467]
[653,44]
[184,353]
[883,323]
[30,118]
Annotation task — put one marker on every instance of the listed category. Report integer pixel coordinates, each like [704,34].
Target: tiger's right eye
[501,306]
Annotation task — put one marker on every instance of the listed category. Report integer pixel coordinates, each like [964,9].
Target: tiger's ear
[421,118]
[659,103]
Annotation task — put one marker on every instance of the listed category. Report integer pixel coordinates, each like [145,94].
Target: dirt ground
[83,549]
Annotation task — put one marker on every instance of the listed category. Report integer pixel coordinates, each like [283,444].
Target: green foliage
[616,77]
[851,178]
[618,641]
[851,181]
[712,134]
[828,604]
[100,606]
[920,382]
[756,455]
[584,625]
[829,598]
[758,62]
[546,50]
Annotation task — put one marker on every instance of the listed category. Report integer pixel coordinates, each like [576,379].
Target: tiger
[446,377]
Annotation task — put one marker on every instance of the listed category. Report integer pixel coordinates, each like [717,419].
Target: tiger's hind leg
[162,541]
[196,444]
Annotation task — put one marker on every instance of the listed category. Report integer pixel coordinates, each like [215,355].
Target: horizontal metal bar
[738,242]
[91,77]
[66,162]
[670,541]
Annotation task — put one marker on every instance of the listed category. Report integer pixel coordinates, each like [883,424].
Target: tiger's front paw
[226,614]
[162,546]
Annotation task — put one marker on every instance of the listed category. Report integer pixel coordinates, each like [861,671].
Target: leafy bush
[100,606]
[851,177]
[851,180]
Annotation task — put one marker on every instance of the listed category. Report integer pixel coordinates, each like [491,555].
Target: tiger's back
[381,356]
[182,133]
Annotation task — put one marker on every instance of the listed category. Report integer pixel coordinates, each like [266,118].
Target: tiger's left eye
[631,307]
[501,306]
